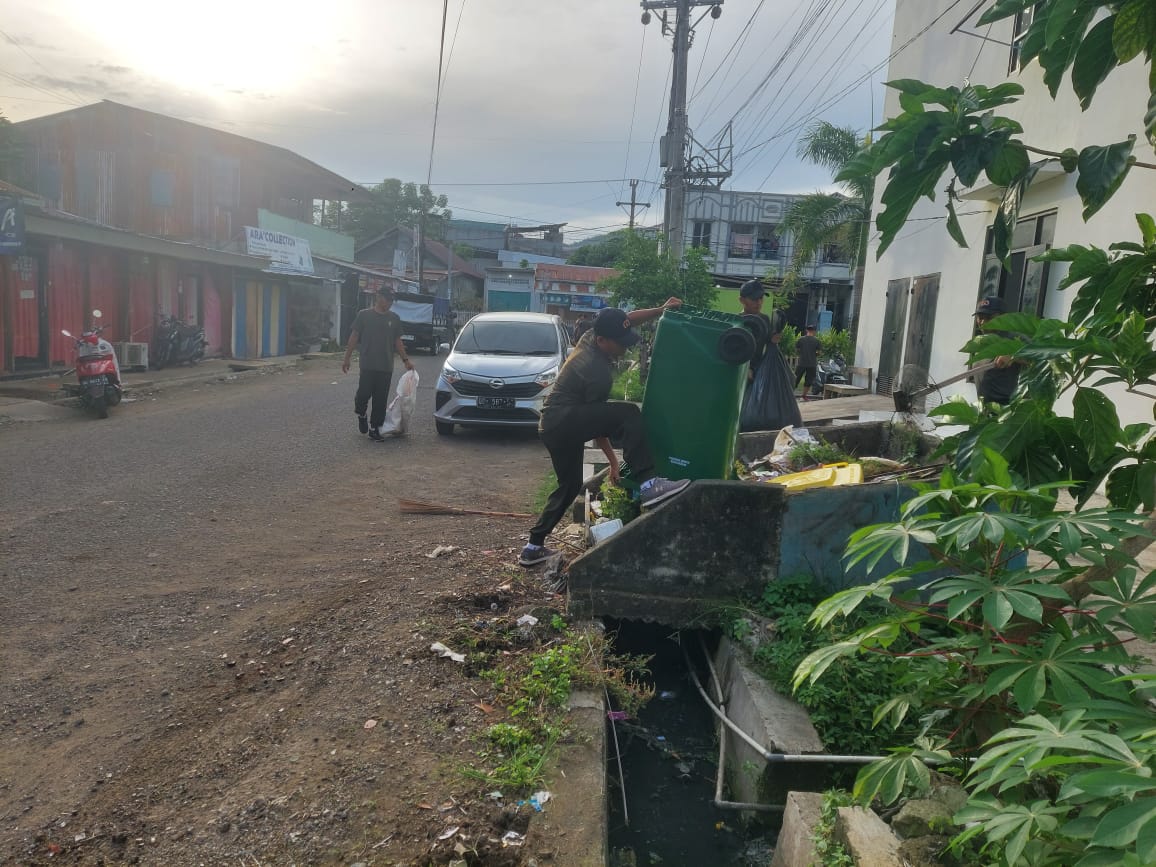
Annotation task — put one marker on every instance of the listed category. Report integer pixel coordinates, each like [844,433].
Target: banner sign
[287,253]
[11,225]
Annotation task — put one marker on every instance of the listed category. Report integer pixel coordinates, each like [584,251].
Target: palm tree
[838,219]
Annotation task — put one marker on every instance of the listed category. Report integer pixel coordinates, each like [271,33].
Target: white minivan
[501,368]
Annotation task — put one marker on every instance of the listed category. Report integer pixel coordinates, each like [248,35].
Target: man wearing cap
[807,348]
[997,384]
[377,331]
[751,296]
[578,410]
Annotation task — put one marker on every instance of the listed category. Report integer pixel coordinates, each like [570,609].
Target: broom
[416,507]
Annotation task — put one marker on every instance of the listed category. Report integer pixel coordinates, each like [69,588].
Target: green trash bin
[694,391]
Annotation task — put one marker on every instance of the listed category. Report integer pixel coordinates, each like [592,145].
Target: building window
[1023,21]
[742,243]
[701,236]
[161,184]
[835,254]
[767,241]
[1023,284]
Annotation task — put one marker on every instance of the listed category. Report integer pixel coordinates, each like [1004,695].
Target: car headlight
[450,375]
[546,377]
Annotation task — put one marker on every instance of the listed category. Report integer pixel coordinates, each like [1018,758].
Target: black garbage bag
[769,402]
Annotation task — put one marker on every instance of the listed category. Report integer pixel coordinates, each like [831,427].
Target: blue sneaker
[534,555]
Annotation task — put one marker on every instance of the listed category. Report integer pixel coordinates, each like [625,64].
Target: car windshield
[496,337]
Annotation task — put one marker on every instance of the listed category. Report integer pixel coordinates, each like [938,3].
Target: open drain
[662,801]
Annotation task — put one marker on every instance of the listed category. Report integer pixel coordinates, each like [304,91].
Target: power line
[634,107]
[734,45]
[26,53]
[858,81]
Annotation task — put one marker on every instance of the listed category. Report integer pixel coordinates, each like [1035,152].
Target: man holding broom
[578,410]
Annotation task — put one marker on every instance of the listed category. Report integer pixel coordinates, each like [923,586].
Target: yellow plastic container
[826,476]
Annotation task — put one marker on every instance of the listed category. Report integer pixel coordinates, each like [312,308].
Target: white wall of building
[923,246]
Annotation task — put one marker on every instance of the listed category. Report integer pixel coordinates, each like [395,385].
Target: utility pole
[675,142]
[633,203]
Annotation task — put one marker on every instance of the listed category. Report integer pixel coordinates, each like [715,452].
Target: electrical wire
[633,110]
[11,39]
[438,95]
[729,52]
[454,42]
[819,109]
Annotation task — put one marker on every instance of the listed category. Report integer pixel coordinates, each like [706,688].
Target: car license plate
[495,403]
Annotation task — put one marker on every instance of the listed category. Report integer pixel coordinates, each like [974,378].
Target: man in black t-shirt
[807,349]
[997,384]
[377,332]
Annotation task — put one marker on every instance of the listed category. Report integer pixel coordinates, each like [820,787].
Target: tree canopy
[395,203]
[647,277]
[602,253]
[821,220]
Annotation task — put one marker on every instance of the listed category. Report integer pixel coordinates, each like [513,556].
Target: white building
[742,233]
[918,299]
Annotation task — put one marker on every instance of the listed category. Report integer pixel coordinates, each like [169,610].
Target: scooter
[97,370]
[177,343]
[832,371]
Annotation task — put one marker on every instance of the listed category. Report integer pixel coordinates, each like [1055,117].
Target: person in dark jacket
[751,295]
[578,410]
[581,327]
[807,349]
[997,384]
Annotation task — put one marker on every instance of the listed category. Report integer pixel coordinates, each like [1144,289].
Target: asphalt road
[217,521]
[258,446]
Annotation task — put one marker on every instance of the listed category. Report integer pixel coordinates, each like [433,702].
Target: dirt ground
[252,683]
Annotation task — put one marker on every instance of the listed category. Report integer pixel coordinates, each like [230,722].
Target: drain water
[669,765]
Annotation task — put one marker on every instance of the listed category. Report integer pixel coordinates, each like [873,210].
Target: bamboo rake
[417,507]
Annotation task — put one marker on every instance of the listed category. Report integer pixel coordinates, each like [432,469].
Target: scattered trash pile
[800,460]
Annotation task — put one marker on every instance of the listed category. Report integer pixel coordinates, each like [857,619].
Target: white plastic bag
[400,409]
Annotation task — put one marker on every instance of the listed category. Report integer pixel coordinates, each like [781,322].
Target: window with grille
[742,241]
[701,234]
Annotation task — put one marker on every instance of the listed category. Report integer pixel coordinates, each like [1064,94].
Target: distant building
[444,273]
[149,215]
[742,233]
[568,291]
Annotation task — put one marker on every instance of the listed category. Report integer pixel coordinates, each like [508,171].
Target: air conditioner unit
[132,356]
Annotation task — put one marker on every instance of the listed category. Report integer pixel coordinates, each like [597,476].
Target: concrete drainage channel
[668,803]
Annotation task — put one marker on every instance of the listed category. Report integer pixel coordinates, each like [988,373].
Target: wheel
[100,407]
[112,395]
[757,326]
[736,346]
[445,428]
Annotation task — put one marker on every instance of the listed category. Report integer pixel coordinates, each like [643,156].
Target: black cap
[613,324]
[752,289]
[812,328]
[990,306]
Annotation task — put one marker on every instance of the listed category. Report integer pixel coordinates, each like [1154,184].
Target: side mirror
[96,314]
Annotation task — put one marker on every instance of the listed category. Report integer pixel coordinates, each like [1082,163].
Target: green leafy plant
[617,502]
[804,455]
[833,342]
[835,704]
[830,851]
[535,690]
[1021,667]
[788,341]
[627,384]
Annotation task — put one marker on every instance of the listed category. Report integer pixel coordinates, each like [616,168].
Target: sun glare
[217,45]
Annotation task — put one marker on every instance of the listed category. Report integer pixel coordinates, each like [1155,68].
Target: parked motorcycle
[97,370]
[177,343]
[833,371]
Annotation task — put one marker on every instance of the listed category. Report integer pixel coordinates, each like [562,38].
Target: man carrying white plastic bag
[401,408]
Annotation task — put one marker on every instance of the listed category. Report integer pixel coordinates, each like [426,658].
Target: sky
[547,107]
